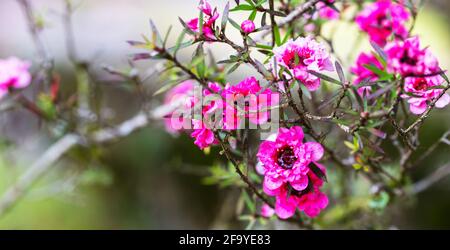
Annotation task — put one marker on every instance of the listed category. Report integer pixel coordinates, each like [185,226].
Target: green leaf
[443,75]
[235,25]
[383,75]
[225,16]
[186,27]
[243,7]
[233,68]
[339,71]
[252,15]
[325,77]
[156,36]
[200,22]
[166,37]
[380,52]
[286,37]
[263,19]
[277,35]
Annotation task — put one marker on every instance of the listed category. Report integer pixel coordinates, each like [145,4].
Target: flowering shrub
[296,124]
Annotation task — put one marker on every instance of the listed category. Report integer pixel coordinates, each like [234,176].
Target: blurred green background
[153,180]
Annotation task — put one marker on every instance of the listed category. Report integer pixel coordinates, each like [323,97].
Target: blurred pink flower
[364,74]
[180,97]
[301,55]
[286,159]
[267,211]
[383,19]
[255,102]
[248,26]
[14,73]
[209,18]
[407,58]
[203,132]
[326,12]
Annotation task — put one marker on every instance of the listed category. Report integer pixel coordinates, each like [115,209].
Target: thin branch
[35,30]
[422,118]
[295,14]
[433,178]
[37,170]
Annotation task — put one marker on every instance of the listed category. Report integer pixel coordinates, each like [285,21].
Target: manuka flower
[286,159]
[420,92]
[303,54]
[14,74]
[310,200]
[408,59]
[382,19]
[179,97]
[247,99]
[362,73]
[203,126]
[209,18]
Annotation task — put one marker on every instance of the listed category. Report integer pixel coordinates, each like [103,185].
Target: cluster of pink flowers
[421,71]
[14,74]
[255,99]
[418,66]
[302,55]
[383,19]
[234,104]
[209,18]
[286,164]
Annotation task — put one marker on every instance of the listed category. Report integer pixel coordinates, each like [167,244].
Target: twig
[35,171]
[427,112]
[298,12]
[44,163]
[427,182]
[44,55]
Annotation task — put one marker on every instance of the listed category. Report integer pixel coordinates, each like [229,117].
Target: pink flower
[301,55]
[383,19]
[180,97]
[287,159]
[326,12]
[421,94]
[209,18]
[310,27]
[407,58]
[267,211]
[362,73]
[311,200]
[203,129]
[248,26]
[13,74]
[247,99]
[204,137]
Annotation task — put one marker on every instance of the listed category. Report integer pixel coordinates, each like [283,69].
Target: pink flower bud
[248,26]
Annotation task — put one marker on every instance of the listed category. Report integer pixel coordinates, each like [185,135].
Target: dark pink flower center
[407,59]
[308,189]
[420,84]
[286,157]
[290,58]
